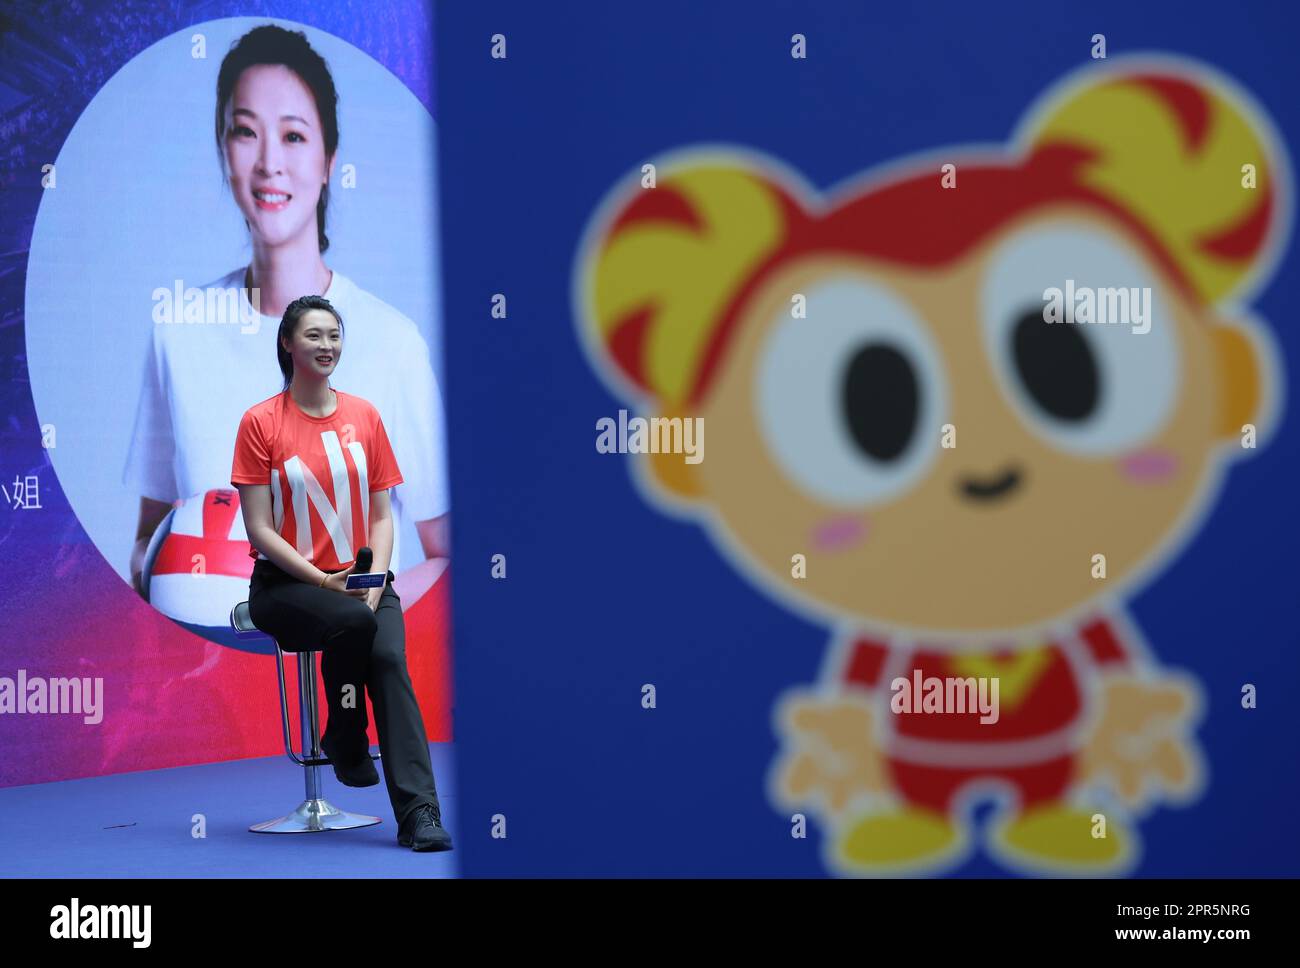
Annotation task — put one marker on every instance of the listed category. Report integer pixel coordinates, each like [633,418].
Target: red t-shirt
[321,470]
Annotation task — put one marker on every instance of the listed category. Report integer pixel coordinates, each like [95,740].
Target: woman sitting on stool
[313,466]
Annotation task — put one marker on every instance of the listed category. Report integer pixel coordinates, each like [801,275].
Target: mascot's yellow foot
[1058,838]
[909,840]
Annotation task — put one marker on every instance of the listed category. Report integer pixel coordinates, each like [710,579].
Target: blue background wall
[603,593]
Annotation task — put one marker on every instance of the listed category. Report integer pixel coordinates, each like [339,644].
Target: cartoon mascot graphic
[913,443]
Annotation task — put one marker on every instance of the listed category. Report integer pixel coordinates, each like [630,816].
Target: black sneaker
[422,830]
[353,772]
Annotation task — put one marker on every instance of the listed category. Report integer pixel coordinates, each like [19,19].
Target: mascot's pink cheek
[835,534]
[1150,466]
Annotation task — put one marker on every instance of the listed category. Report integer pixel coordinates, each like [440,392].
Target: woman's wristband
[324,580]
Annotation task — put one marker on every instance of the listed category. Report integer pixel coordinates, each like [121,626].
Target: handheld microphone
[360,576]
[364,558]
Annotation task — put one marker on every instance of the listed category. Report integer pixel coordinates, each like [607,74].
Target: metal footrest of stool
[314,816]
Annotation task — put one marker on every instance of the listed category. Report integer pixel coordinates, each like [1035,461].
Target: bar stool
[315,813]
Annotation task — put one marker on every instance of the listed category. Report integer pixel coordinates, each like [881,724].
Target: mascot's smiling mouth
[990,489]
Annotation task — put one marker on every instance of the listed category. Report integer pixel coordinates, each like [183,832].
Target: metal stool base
[314,816]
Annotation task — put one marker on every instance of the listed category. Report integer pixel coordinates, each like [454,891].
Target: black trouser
[359,648]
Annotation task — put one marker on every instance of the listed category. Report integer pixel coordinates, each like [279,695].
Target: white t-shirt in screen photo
[200,378]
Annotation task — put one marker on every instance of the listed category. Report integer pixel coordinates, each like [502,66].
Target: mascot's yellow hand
[831,750]
[1139,745]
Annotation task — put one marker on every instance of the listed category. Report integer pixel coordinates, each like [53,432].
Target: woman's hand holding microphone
[337,581]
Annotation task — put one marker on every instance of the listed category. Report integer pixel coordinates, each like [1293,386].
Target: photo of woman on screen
[277,136]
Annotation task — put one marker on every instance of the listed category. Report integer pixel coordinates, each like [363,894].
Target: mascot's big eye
[850,399]
[1093,388]
[880,400]
[1055,366]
